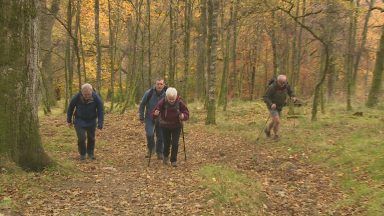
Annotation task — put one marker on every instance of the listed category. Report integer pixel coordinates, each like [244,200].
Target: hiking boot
[267,132]
[82,157]
[160,156]
[92,157]
[174,164]
[276,137]
[165,160]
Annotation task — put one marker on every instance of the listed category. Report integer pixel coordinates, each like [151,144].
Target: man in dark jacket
[151,97]
[86,106]
[275,99]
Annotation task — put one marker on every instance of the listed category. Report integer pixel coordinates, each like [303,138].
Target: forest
[220,56]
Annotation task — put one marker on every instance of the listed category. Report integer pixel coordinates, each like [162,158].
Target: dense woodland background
[210,50]
[220,55]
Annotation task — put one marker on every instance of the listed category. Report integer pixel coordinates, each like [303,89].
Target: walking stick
[182,131]
[262,129]
[150,150]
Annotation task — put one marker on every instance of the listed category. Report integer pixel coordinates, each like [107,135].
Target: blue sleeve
[100,111]
[71,108]
[143,103]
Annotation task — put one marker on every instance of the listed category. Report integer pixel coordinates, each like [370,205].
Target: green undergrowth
[349,145]
[231,189]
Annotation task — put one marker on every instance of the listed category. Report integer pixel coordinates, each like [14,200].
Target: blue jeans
[83,134]
[152,127]
[171,137]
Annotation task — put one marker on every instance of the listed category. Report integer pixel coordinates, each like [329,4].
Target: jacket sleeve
[184,110]
[290,91]
[71,108]
[100,111]
[268,95]
[142,105]
[158,106]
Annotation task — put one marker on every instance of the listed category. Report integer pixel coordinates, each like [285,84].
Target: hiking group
[162,112]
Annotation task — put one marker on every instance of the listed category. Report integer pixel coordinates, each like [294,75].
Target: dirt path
[119,182]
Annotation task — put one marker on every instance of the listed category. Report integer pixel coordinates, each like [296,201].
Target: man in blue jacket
[86,106]
[150,99]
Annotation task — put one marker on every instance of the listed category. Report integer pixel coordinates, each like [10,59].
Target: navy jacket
[86,112]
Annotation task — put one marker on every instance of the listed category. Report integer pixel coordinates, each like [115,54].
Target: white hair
[282,78]
[171,92]
[86,87]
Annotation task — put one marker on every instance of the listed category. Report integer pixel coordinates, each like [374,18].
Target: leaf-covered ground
[224,175]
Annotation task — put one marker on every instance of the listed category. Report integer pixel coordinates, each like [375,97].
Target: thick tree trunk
[212,45]
[373,96]
[19,128]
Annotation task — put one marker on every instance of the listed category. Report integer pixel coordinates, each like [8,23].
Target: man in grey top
[150,99]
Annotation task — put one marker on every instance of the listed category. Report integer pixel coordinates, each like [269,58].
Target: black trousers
[85,134]
[171,138]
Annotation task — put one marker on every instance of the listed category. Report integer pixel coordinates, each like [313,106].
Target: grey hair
[86,87]
[282,77]
[171,92]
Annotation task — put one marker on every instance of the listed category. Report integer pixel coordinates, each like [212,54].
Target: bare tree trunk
[76,43]
[187,42]
[223,95]
[330,35]
[373,96]
[46,25]
[111,56]
[212,44]
[232,86]
[201,52]
[131,87]
[297,68]
[98,46]
[149,43]
[361,49]
[272,35]
[19,124]
[82,54]
[68,56]
[172,40]
[350,53]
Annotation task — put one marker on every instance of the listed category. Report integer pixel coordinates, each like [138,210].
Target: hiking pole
[182,131]
[150,148]
[262,129]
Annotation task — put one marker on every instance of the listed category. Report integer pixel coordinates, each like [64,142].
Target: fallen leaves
[119,182]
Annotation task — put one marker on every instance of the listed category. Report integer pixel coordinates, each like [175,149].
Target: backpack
[150,93]
[271,81]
